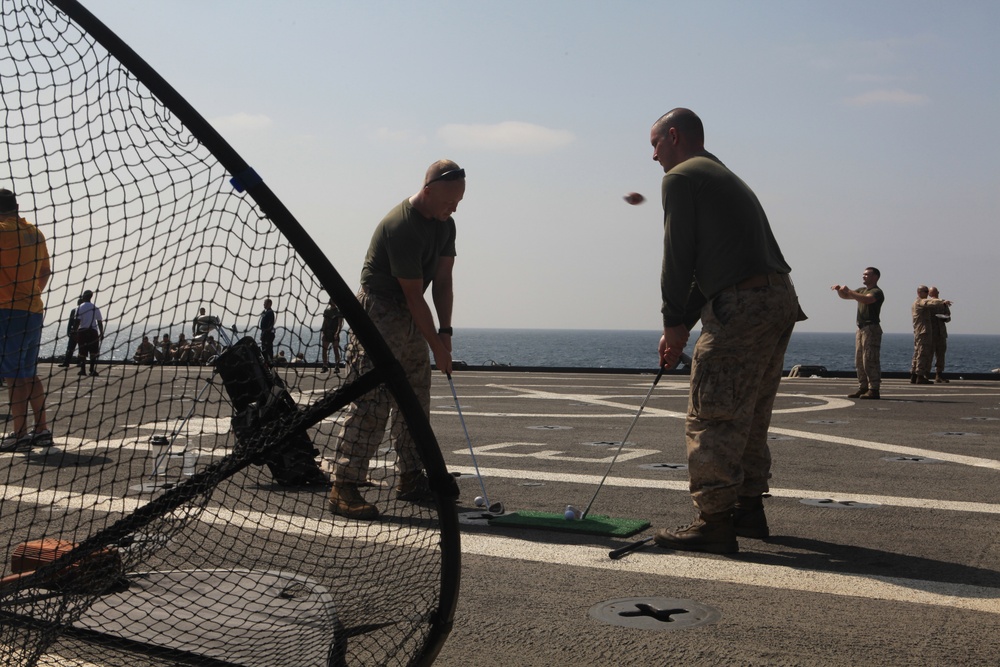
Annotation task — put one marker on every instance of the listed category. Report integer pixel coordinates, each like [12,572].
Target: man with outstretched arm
[413,248]
[722,265]
[868,339]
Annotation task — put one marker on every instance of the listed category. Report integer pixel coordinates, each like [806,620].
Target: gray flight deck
[885,518]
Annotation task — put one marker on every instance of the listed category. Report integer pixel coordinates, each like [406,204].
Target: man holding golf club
[722,265]
[413,248]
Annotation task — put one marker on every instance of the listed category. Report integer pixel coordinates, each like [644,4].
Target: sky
[868,130]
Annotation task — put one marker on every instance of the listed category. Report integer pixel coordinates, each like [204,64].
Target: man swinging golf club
[722,265]
[413,248]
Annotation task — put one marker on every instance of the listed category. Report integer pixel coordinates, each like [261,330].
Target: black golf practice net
[180,514]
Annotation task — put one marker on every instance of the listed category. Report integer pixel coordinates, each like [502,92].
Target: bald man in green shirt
[721,265]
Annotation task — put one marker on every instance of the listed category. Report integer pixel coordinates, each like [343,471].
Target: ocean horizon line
[607,330]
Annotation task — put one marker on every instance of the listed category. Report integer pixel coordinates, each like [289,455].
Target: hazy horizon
[867,130]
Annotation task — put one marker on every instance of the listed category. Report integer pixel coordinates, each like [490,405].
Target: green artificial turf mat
[594,524]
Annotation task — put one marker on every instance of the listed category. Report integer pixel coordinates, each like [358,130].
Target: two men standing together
[721,264]
[930,334]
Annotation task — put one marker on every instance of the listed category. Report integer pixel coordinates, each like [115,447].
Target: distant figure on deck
[266,326]
[940,311]
[166,349]
[923,338]
[202,325]
[333,322]
[183,351]
[868,339]
[90,335]
[72,324]
[145,353]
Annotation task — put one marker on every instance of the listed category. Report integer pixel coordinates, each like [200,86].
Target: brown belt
[765,279]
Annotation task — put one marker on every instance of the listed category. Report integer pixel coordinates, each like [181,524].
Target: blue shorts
[20,340]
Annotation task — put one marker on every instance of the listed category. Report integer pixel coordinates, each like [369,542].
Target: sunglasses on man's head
[450,175]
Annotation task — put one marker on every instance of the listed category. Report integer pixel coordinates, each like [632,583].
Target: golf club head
[496,508]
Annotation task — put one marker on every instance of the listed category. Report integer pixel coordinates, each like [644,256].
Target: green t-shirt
[715,235]
[406,245]
[868,313]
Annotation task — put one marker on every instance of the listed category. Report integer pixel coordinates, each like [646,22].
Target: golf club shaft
[622,445]
[468,440]
[629,548]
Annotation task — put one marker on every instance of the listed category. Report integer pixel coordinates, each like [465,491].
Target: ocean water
[637,349]
[605,349]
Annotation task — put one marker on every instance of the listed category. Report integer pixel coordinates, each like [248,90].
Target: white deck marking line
[833,403]
[974,461]
[541,415]
[278,522]
[924,592]
[682,485]
[913,591]
[669,565]
[829,402]
[57,660]
[501,449]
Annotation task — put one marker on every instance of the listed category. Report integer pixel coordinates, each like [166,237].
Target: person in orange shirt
[24,273]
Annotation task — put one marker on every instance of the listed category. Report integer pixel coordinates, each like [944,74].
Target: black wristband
[447,331]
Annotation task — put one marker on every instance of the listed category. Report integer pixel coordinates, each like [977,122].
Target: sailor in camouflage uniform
[413,248]
[923,338]
[722,265]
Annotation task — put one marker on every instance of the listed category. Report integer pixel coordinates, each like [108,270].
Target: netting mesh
[152,530]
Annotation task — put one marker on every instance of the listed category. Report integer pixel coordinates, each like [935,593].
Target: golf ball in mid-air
[480,501]
[634,198]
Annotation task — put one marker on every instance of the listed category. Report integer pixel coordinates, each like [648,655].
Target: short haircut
[686,122]
[8,201]
[922,288]
[441,166]
[878,274]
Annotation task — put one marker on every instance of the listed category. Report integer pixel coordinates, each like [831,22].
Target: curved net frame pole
[183,514]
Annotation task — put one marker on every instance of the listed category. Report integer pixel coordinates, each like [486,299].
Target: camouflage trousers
[735,373]
[365,420]
[923,353]
[940,347]
[867,355]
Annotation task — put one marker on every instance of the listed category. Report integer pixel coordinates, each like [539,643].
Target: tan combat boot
[346,501]
[413,487]
[711,533]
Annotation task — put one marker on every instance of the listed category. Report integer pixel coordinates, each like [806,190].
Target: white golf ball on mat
[480,501]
